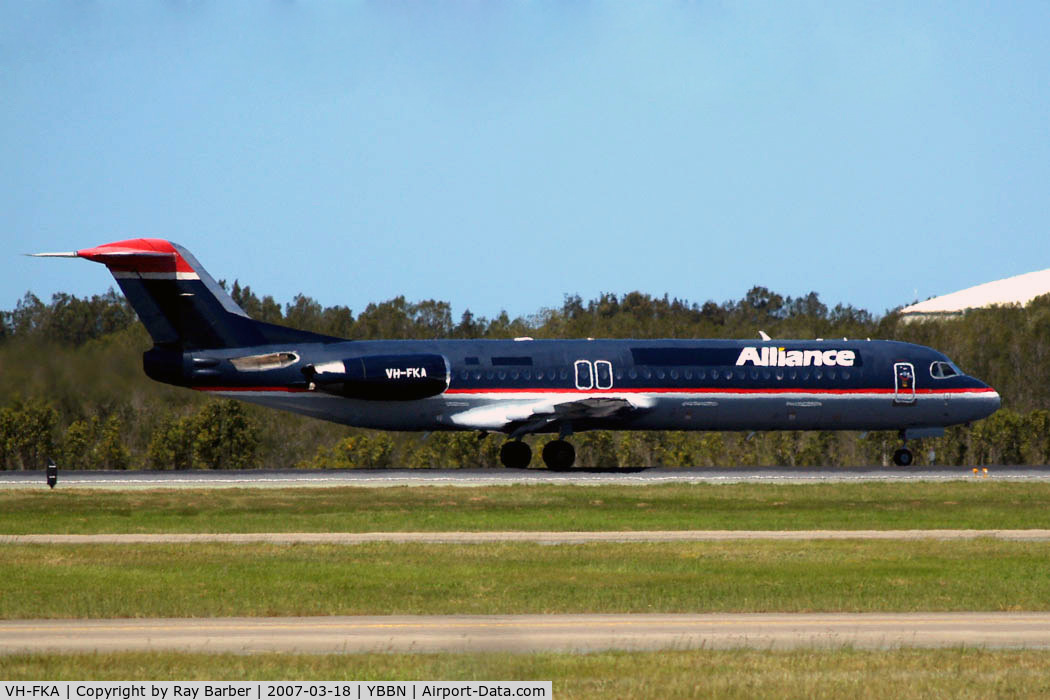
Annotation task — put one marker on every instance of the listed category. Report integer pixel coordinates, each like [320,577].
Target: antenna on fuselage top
[764,336]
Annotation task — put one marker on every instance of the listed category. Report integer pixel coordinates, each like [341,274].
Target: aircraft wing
[523,417]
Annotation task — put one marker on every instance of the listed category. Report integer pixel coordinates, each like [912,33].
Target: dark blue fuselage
[671,384]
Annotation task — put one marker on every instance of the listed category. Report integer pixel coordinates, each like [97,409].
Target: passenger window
[526,374]
[632,373]
[647,373]
[688,374]
[674,374]
[780,375]
[754,374]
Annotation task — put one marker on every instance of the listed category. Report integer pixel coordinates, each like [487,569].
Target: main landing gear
[558,455]
[515,455]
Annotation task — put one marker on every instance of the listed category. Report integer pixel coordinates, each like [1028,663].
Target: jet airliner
[204,341]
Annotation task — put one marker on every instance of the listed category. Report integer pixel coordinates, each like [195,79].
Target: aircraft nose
[990,401]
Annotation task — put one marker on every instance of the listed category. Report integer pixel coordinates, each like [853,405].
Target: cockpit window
[943,370]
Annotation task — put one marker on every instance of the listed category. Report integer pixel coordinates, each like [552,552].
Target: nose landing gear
[902,457]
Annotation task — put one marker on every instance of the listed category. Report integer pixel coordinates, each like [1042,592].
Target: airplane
[203,340]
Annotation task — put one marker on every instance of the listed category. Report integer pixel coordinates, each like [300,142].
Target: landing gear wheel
[515,455]
[559,455]
[902,457]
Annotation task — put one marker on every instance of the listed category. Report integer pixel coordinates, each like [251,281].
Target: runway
[532,633]
[548,538]
[373,478]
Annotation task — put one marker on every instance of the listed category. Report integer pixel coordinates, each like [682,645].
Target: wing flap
[523,417]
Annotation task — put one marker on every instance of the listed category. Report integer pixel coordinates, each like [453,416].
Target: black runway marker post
[52,473]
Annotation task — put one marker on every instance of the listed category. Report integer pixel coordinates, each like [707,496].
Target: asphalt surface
[128,480]
[552,538]
[530,633]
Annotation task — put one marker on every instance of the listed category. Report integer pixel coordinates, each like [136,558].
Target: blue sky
[499,155]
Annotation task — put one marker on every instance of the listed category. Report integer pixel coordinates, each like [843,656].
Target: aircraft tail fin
[178,302]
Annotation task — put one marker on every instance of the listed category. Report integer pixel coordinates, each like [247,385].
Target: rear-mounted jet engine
[382,377]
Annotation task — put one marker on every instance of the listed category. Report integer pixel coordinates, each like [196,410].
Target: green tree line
[72,387]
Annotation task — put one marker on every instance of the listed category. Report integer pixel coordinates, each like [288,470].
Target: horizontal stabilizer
[140,255]
[98,254]
[180,304]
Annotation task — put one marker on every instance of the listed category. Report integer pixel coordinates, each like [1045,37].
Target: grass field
[54,581]
[955,673]
[980,504]
[208,580]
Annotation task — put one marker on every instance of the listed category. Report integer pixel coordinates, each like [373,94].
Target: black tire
[902,457]
[515,455]
[559,455]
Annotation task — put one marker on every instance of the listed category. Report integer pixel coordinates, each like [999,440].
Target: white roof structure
[1012,290]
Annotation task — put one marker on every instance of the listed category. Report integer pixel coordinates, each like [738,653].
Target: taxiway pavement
[530,633]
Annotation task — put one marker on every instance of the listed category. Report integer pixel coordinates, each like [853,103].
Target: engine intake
[382,377]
